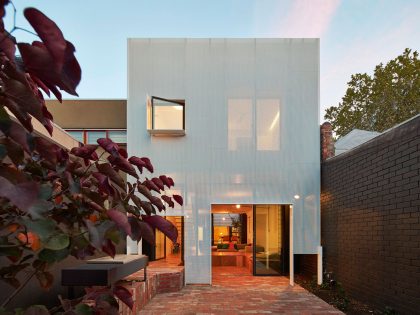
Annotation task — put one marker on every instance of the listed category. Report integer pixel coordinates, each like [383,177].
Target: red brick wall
[157,282]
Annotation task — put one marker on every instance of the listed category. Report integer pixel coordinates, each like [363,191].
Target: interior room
[250,239]
[232,234]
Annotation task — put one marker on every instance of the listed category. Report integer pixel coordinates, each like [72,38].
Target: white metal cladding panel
[235,149]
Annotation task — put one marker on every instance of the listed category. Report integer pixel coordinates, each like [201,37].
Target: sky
[355,35]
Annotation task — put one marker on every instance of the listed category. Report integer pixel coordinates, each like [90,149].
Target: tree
[55,203]
[377,103]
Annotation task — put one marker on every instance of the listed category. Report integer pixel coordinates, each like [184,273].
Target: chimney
[327,141]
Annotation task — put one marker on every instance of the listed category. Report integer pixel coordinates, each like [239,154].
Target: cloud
[308,18]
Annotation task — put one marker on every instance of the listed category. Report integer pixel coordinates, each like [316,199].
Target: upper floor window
[88,136]
[166,116]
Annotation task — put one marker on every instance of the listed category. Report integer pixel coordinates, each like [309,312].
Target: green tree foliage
[381,101]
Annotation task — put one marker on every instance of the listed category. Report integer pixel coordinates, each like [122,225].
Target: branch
[18,289]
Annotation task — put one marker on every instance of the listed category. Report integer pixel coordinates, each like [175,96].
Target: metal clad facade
[252,130]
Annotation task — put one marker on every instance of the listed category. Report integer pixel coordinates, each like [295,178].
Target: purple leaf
[50,151]
[87,151]
[18,90]
[17,133]
[14,150]
[49,32]
[136,200]
[123,165]
[124,295]
[151,185]
[7,45]
[148,165]
[147,232]
[103,184]
[123,153]
[43,86]
[21,115]
[168,200]
[109,146]
[165,226]
[158,182]
[135,228]
[144,190]
[167,181]
[158,203]
[137,162]
[178,199]
[39,62]
[22,195]
[120,219]
[107,170]
[147,207]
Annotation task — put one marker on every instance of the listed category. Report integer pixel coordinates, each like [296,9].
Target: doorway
[250,239]
[164,249]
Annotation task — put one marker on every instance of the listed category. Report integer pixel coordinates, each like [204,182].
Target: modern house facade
[233,122]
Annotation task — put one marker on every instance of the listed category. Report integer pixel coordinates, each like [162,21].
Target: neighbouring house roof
[353,139]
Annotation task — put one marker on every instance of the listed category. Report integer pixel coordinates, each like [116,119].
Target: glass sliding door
[270,240]
[160,245]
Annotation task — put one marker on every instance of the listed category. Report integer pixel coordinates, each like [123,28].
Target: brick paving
[235,291]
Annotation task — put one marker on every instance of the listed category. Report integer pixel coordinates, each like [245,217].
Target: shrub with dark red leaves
[55,203]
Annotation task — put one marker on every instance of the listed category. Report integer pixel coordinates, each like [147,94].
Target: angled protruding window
[166,116]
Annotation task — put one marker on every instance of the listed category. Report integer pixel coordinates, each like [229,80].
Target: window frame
[168,132]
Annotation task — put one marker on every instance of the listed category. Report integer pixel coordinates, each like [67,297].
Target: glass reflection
[268,125]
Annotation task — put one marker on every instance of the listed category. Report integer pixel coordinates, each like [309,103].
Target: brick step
[159,280]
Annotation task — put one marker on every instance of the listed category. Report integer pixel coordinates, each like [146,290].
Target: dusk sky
[355,35]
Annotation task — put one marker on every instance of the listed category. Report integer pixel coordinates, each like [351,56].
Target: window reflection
[119,136]
[239,124]
[92,136]
[268,125]
[78,135]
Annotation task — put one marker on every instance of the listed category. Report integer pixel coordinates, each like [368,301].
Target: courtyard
[235,291]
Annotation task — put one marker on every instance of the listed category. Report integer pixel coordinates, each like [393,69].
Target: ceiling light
[297,196]
[238,206]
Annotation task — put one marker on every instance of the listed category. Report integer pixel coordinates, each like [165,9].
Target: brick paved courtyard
[235,291]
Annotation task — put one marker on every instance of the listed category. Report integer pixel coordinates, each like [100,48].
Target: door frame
[291,231]
[290,238]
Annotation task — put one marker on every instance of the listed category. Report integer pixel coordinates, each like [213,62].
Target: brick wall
[159,280]
[306,265]
[370,228]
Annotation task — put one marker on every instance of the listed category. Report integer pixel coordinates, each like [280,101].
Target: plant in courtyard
[378,102]
[55,203]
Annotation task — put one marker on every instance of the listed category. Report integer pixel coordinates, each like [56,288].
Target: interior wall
[218,230]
